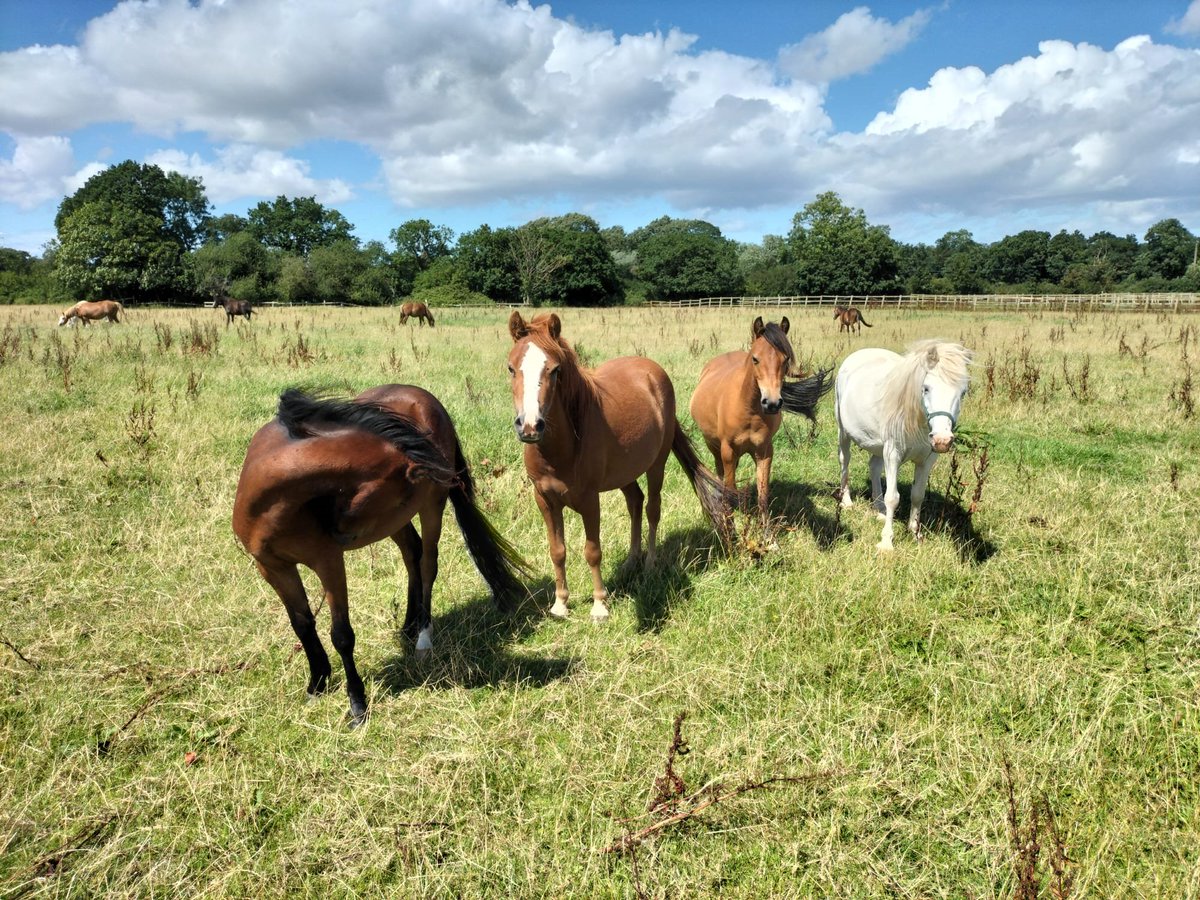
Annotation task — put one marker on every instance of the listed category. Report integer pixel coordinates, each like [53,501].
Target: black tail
[715,499]
[496,559]
[864,321]
[801,397]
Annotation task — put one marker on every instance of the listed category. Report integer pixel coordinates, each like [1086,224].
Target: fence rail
[1178,302]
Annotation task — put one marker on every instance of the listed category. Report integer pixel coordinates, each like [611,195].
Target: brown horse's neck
[574,400]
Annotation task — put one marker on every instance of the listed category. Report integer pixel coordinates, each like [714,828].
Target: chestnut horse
[87,311]
[416,309]
[234,308]
[740,400]
[850,317]
[327,476]
[586,431]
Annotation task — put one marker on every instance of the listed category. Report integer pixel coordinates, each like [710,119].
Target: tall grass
[918,717]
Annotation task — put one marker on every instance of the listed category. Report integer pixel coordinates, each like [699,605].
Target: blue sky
[990,116]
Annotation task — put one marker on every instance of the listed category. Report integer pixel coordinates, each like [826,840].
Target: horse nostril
[540,426]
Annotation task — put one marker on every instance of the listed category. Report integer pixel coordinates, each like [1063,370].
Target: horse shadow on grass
[473,646]
[656,590]
[795,503]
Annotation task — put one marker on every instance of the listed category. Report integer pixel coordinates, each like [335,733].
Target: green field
[155,741]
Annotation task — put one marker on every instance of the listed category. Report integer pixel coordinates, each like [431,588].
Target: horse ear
[555,325]
[931,358]
[784,325]
[758,327]
[517,326]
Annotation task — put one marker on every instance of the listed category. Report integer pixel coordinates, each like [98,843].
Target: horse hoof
[598,619]
[883,548]
[420,654]
[559,610]
[357,720]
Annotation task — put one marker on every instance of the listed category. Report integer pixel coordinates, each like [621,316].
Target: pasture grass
[154,740]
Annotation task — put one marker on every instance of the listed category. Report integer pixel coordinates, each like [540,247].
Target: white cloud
[241,171]
[1189,23]
[851,45]
[41,170]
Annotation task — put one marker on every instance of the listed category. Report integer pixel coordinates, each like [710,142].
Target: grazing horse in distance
[899,408]
[417,309]
[234,308]
[88,311]
[587,431]
[739,402]
[327,476]
[849,318]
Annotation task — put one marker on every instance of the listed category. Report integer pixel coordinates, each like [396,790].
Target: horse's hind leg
[431,533]
[654,483]
[844,460]
[634,500]
[876,466]
[285,579]
[409,543]
[331,569]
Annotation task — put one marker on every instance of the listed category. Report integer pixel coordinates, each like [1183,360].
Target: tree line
[136,233]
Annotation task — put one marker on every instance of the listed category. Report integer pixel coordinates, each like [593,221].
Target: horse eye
[512,371]
[754,359]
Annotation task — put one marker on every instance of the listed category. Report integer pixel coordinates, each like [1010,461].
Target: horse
[87,311]
[739,402]
[234,308]
[849,317]
[418,310]
[586,431]
[899,408]
[327,476]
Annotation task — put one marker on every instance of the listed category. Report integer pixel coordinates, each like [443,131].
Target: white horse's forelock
[902,388]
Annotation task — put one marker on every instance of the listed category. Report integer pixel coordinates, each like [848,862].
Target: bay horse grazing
[591,430]
[740,400]
[234,308]
[899,408]
[327,476]
[418,310]
[88,311]
[849,318]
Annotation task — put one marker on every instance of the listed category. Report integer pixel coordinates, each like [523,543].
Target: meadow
[1008,708]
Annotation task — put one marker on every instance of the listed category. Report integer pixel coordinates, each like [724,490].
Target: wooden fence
[1177,302]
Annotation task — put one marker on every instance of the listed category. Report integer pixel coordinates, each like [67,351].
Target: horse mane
[777,338]
[576,384]
[303,414]
[901,394]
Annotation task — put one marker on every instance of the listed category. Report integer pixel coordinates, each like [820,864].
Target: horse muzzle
[941,443]
[770,407]
[529,433]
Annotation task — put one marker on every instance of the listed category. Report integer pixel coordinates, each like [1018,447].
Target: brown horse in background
[88,311]
[327,476]
[234,308]
[739,402]
[418,310]
[849,318]
[591,430]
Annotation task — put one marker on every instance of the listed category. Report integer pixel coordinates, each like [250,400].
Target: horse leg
[285,579]
[431,534]
[917,496]
[409,543]
[654,483]
[844,460]
[891,499]
[589,509]
[876,466]
[763,472]
[634,499]
[552,513]
[331,569]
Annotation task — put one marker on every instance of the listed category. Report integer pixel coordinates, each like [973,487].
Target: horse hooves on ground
[559,610]
[355,720]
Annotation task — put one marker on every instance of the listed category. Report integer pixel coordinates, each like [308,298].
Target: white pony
[899,408]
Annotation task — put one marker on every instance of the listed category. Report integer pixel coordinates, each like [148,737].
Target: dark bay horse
[591,430]
[327,476]
[849,318]
[234,308]
[88,311]
[418,310]
[739,402]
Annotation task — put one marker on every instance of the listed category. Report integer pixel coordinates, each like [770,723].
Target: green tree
[1118,254]
[336,268]
[423,241]
[1168,249]
[1066,249]
[376,283]
[297,283]
[838,252]
[298,226]
[1019,258]
[238,266]
[587,275]
[685,263]
[486,261]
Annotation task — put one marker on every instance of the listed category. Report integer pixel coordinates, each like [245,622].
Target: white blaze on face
[533,363]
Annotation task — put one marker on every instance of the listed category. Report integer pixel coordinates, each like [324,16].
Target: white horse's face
[942,401]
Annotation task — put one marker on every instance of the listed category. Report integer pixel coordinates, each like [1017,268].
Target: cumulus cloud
[241,171]
[41,170]
[1189,23]
[851,45]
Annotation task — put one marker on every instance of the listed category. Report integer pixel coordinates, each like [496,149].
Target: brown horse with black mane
[587,431]
[740,399]
[416,309]
[88,311]
[849,318]
[234,308]
[327,476]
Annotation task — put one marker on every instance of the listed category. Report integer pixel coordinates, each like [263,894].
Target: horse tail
[801,397]
[864,321]
[715,499]
[429,313]
[120,311]
[497,560]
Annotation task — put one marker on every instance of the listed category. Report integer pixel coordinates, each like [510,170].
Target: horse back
[633,425]
[857,392]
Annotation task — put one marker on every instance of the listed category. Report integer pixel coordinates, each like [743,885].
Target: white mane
[904,413]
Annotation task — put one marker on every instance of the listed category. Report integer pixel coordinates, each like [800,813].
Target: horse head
[534,365]
[772,357]
[942,390]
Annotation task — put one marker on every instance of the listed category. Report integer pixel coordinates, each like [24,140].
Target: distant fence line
[1178,302]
